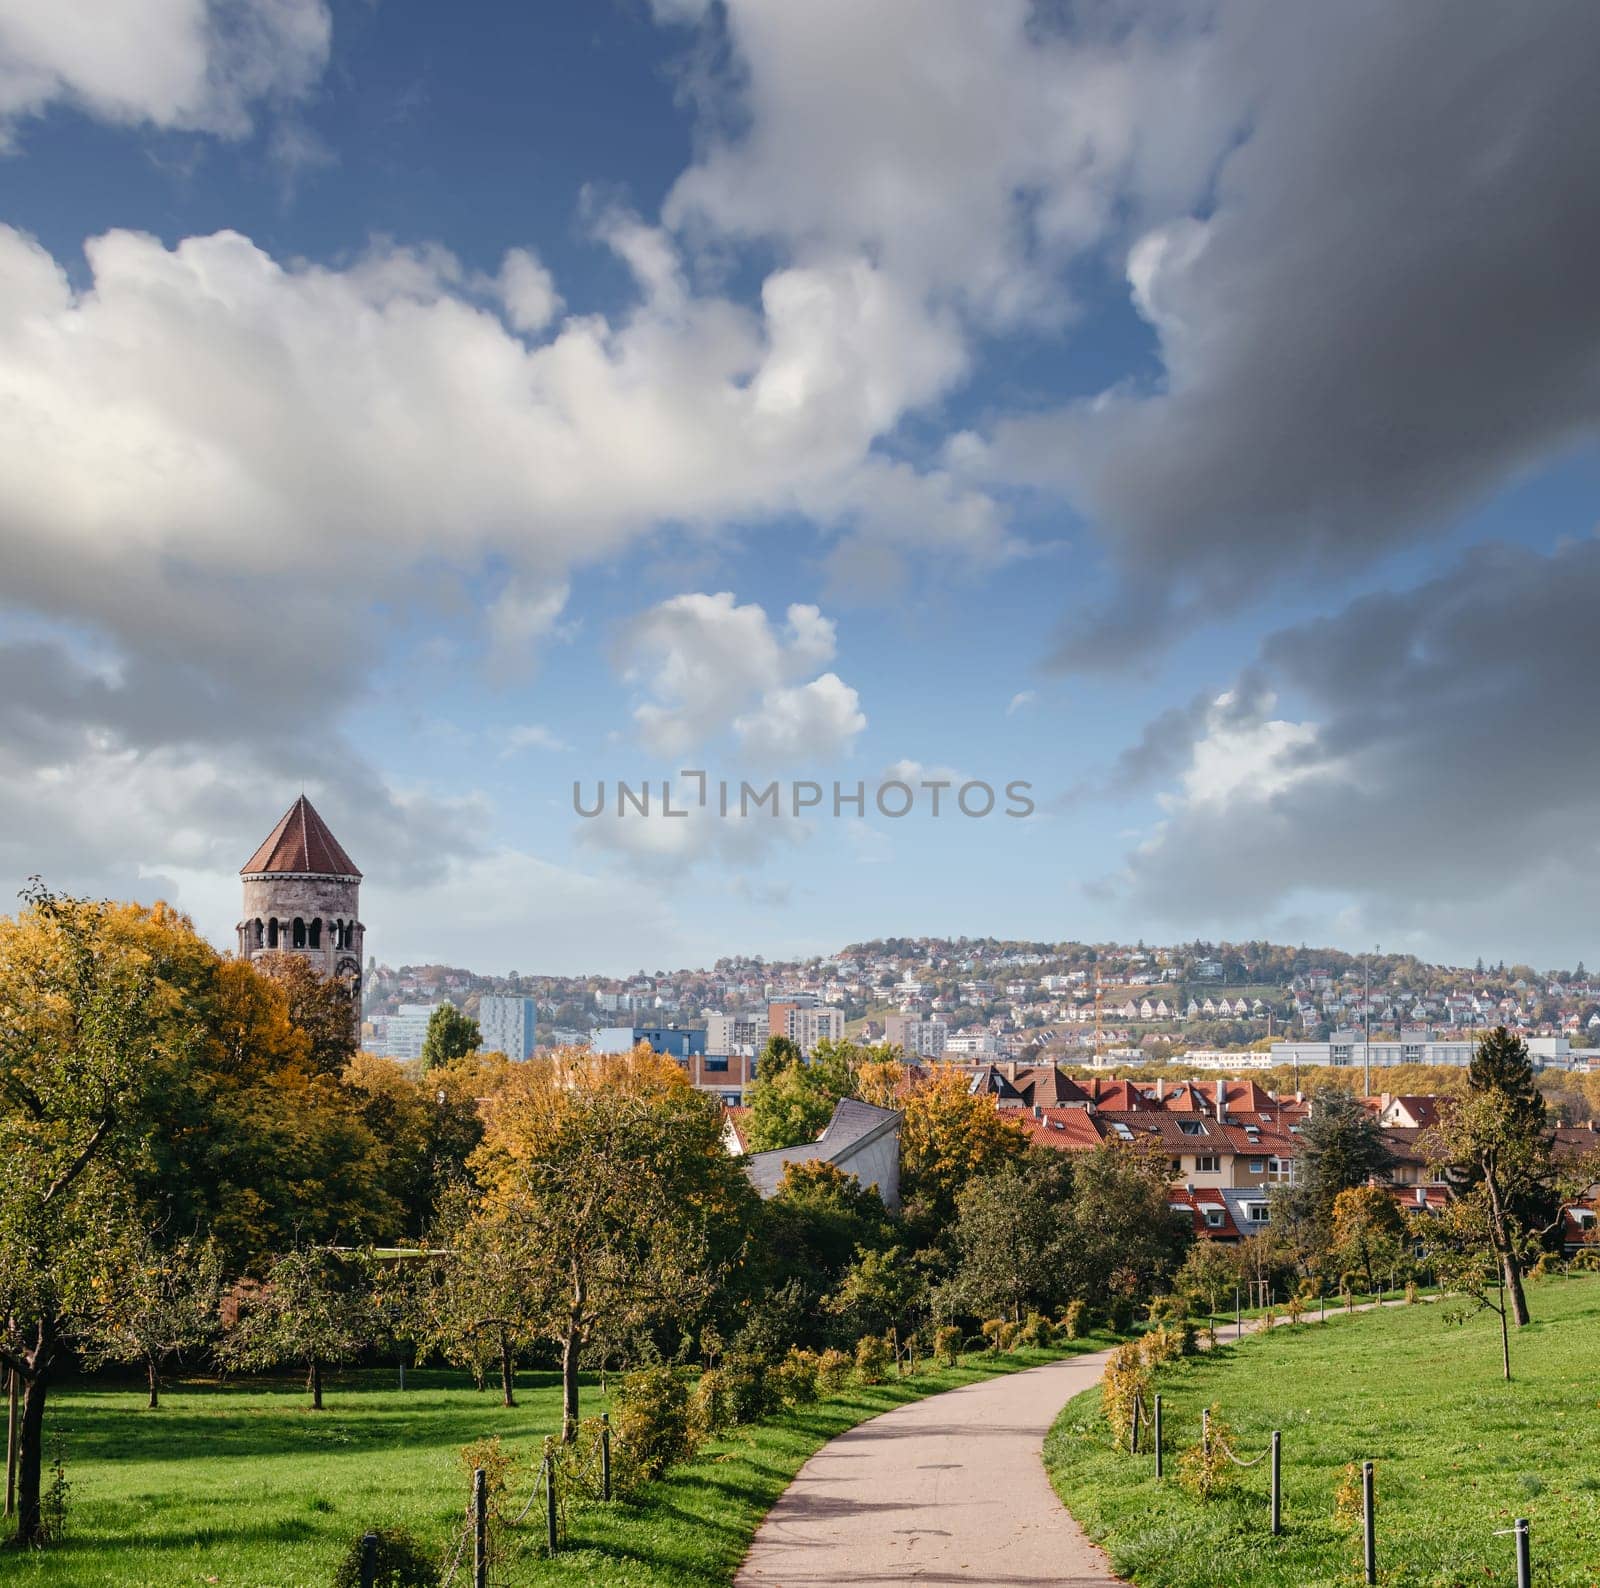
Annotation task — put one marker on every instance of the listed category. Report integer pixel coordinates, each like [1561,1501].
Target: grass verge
[1459,1453]
[239,1485]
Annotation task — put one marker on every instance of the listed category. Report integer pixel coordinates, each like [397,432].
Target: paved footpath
[950,1489]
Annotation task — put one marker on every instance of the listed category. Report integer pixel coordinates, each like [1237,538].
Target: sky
[1188,410]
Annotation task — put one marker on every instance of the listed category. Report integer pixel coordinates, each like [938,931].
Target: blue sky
[1187,410]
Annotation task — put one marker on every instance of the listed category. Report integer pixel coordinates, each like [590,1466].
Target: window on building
[1192,1127]
[717,1063]
[1257,1212]
[1280,1169]
[1207,1163]
[1258,1166]
[316,932]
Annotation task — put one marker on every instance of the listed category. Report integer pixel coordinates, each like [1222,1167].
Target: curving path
[946,1490]
[950,1489]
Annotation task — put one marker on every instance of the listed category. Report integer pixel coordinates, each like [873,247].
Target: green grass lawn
[241,1486]
[1459,1453]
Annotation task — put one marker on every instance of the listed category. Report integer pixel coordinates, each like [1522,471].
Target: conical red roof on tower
[300,843]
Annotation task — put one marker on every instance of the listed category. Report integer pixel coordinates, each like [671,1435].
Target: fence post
[1524,1554]
[550,1502]
[1158,1436]
[1322,1301]
[605,1455]
[1133,1430]
[1205,1429]
[1369,1522]
[1238,1316]
[480,1528]
[1277,1483]
[369,1560]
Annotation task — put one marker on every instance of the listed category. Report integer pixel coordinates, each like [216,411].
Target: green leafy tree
[809,1231]
[1341,1146]
[1010,1239]
[791,1103]
[881,1293]
[1496,1142]
[779,1054]
[151,1302]
[1209,1276]
[613,1172]
[85,1002]
[315,1309]
[451,1035]
[1123,1242]
[476,1301]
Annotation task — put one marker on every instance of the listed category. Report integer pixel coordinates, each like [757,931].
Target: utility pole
[1366,1015]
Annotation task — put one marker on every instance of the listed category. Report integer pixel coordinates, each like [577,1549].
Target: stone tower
[301,896]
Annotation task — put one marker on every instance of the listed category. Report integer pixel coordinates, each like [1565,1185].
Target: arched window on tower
[299,933]
[316,932]
[260,933]
[272,933]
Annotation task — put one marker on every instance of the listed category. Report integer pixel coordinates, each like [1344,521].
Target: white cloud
[191,65]
[1023,697]
[711,665]
[810,722]
[527,290]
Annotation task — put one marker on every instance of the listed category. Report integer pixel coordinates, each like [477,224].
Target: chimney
[1422,1196]
[1299,1097]
[1161,1088]
[1222,1099]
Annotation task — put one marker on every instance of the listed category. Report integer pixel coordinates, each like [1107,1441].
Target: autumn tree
[451,1035]
[85,1002]
[948,1136]
[314,1309]
[150,1301]
[612,1169]
[1368,1229]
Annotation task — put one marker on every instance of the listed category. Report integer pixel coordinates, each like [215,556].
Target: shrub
[947,1344]
[575,1466]
[401,1562]
[1204,1469]
[872,1359]
[993,1331]
[1347,1498]
[1119,1315]
[1188,1338]
[1075,1320]
[709,1411]
[1168,1309]
[1411,1292]
[1161,1344]
[1038,1331]
[1585,1262]
[1295,1307]
[650,1422]
[495,1461]
[833,1371]
[1127,1377]
[795,1377]
[749,1395]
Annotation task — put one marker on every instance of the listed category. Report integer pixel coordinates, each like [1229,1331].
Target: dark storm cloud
[1390,308]
[1452,782]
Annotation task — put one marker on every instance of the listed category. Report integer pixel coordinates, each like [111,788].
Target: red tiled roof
[1197,1201]
[300,842]
[1070,1129]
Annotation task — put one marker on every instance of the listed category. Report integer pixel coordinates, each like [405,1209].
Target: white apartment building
[972,1045]
[917,1039]
[400,1035]
[508,1024]
[807,1027]
[736,1033]
[1350,1048]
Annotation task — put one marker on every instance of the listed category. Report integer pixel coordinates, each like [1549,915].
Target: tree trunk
[507,1373]
[314,1384]
[1505,1248]
[30,1462]
[570,1348]
[153,1379]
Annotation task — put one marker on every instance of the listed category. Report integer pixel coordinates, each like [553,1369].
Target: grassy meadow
[239,1485]
[1459,1453]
